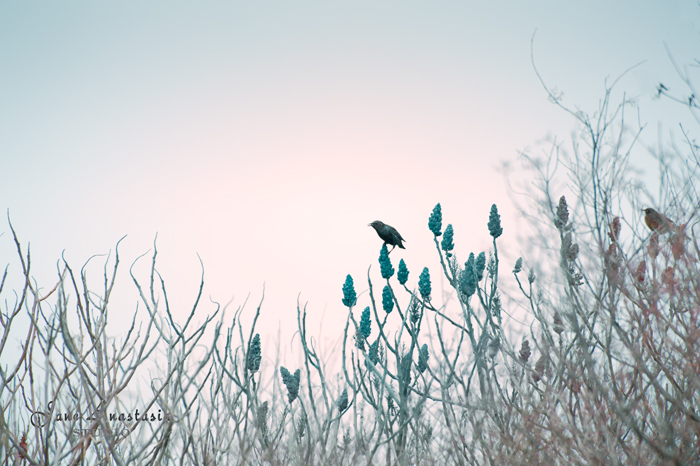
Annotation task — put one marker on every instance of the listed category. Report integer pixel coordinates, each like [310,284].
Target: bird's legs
[392,248]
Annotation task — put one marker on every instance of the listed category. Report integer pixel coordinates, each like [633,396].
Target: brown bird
[657,222]
[388,234]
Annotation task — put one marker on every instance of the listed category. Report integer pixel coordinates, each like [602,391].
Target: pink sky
[266,137]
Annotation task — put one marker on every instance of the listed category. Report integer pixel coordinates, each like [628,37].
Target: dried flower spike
[524,351]
[562,217]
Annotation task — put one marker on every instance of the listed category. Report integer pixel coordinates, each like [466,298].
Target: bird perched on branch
[388,234]
[657,222]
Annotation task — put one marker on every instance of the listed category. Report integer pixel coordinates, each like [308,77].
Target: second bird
[388,234]
[658,222]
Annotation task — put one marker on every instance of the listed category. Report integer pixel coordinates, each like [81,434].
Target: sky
[263,137]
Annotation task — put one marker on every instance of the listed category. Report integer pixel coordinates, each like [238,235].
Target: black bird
[388,234]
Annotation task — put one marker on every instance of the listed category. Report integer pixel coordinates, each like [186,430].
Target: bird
[657,222]
[388,234]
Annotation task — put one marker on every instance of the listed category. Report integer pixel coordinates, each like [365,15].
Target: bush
[606,370]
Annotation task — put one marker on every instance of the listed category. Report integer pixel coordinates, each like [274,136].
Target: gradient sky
[265,136]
